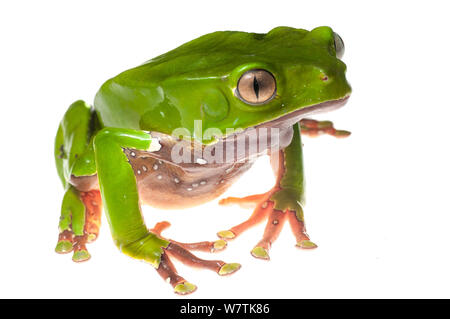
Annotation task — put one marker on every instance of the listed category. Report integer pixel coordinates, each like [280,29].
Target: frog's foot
[181,252]
[70,240]
[265,210]
[259,214]
[314,128]
[168,272]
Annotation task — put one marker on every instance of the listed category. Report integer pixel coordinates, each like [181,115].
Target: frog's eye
[256,87]
[338,46]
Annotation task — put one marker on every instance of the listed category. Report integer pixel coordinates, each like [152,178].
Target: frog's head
[237,80]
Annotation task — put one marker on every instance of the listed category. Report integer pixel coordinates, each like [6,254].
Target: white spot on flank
[139,172]
[202,182]
[189,189]
[201,161]
[144,168]
[154,145]
[195,185]
[159,177]
[133,154]
[155,167]
[176,180]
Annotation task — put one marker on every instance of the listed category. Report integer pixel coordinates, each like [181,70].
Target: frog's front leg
[283,202]
[121,200]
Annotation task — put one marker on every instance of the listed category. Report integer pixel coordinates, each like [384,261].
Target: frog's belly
[164,184]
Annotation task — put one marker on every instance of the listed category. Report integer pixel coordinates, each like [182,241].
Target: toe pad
[184,288]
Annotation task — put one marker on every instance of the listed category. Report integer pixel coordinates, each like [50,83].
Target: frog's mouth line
[271,140]
[290,119]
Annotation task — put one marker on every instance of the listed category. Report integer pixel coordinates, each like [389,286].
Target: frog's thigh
[118,186]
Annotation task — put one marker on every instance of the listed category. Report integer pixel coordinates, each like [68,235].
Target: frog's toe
[228,269]
[80,252]
[81,255]
[306,244]
[68,243]
[260,253]
[226,234]
[315,128]
[206,246]
[245,202]
[64,247]
[219,245]
[184,288]
[65,242]
[186,257]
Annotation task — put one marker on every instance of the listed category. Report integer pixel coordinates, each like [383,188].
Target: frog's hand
[121,199]
[75,163]
[283,202]
[315,128]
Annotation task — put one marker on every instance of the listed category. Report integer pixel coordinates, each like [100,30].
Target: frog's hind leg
[120,195]
[75,161]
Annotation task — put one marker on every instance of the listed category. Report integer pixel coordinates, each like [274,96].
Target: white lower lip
[292,118]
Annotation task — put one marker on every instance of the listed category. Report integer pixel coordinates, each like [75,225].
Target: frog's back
[165,92]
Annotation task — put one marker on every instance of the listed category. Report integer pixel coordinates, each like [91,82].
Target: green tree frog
[179,129]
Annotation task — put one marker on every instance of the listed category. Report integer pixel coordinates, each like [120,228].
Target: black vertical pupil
[256,87]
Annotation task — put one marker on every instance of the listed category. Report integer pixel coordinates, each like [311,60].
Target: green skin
[196,81]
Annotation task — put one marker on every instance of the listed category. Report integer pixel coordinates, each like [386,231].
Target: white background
[377,202]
